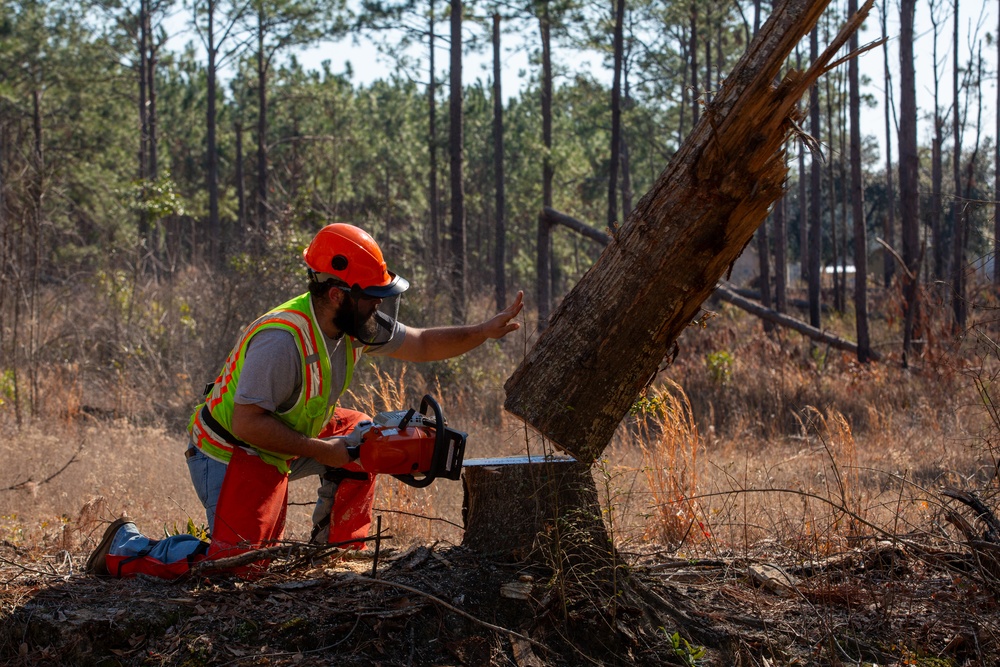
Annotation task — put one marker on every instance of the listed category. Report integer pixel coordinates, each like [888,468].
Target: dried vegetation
[772,503]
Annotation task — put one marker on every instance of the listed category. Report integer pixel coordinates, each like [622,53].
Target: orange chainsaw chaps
[351,517]
[251,511]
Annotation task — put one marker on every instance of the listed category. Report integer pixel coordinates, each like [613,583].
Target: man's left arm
[438,343]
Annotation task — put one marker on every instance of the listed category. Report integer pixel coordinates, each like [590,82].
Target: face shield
[370,314]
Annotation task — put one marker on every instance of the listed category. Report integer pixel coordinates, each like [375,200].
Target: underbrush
[747,443]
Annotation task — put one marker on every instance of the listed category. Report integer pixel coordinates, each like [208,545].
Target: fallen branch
[726,293]
[288,550]
[723,291]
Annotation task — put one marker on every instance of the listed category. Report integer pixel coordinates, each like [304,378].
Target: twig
[30,480]
[24,569]
[438,601]
[417,516]
[287,550]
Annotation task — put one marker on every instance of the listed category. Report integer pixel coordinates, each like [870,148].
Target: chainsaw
[407,443]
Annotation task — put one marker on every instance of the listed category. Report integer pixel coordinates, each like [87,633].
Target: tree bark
[432,148]
[616,114]
[577,383]
[889,224]
[780,255]
[455,139]
[516,510]
[996,181]
[214,226]
[500,275]
[957,217]
[858,202]
[909,165]
[815,198]
[261,130]
[543,264]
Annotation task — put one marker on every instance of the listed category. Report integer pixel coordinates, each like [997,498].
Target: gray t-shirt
[271,376]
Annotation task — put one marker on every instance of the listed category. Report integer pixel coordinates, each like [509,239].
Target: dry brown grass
[748,444]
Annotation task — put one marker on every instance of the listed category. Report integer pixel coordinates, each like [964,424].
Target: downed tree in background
[723,291]
[607,338]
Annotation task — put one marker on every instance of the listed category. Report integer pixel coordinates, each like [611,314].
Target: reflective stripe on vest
[311,410]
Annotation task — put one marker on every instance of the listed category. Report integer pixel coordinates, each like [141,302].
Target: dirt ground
[908,602]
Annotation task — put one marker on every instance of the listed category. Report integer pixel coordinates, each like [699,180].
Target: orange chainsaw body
[389,450]
[414,447]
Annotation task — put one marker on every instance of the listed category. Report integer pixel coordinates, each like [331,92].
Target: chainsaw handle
[439,440]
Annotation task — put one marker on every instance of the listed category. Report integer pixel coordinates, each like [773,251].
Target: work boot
[97,563]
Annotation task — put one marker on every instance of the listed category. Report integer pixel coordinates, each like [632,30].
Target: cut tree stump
[523,511]
[606,340]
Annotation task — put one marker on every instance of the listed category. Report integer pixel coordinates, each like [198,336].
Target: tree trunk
[996,181]
[858,202]
[832,193]
[432,149]
[937,143]
[261,131]
[957,217]
[889,226]
[803,201]
[780,255]
[815,194]
[241,197]
[616,115]
[909,177]
[693,52]
[144,235]
[214,227]
[455,138]
[515,509]
[544,251]
[500,275]
[575,384]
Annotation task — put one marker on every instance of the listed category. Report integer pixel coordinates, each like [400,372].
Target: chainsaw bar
[498,461]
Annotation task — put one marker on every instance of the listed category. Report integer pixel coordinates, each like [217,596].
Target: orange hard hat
[351,256]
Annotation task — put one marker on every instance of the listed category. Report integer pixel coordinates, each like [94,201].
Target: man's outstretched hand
[502,323]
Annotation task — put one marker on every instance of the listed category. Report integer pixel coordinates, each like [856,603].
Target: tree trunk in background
[455,138]
[616,114]
[763,251]
[815,195]
[432,150]
[500,275]
[693,52]
[575,385]
[889,226]
[831,183]
[780,254]
[144,235]
[957,217]
[937,175]
[214,226]
[909,177]
[803,198]
[544,251]
[996,180]
[858,201]
[261,131]
[241,196]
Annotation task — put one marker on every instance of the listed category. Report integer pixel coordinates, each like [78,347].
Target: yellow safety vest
[311,410]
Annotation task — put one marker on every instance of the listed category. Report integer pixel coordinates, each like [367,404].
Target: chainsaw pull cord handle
[439,437]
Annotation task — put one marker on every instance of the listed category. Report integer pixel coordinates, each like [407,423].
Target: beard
[355,323]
